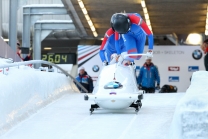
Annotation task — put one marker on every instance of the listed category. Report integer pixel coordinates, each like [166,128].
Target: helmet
[148,58]
[82,68]
[120,23]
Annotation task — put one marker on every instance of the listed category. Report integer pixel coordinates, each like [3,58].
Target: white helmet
[82,68]
[148,58]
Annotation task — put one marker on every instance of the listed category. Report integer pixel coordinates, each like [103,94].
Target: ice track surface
[69,118]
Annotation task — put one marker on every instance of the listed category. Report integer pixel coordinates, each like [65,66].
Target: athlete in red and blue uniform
[111,43]
[134,31]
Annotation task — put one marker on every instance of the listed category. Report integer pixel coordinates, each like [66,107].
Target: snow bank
[190,120]
[23,91]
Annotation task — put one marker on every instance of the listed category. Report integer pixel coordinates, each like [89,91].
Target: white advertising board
[175,63]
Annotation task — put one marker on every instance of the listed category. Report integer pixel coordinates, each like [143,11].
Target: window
[113,85]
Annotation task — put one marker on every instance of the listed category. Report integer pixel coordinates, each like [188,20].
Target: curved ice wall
[23,91]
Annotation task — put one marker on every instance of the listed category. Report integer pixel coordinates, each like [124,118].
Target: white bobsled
[116,88]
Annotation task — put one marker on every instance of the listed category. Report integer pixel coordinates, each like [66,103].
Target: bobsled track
[69,118]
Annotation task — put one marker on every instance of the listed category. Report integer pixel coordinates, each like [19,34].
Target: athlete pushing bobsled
[116,87]
[134,31]
[131,29]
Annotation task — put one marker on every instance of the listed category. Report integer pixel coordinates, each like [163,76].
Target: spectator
[204,47]
[85,80]
[19,52]
[148,76]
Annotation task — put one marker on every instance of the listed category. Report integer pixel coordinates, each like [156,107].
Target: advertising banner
[175,63]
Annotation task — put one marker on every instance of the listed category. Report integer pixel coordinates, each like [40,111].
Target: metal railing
[17,64]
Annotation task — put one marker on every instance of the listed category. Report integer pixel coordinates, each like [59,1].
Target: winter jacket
[206,62]
[148,75]
[86,81]
[27,58]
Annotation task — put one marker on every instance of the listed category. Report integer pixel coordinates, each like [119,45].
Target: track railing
[17,64]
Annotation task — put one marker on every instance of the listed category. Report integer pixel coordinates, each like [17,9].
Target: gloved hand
[158,87]
[120,59]
[149,53]
[114,58]
[105,63]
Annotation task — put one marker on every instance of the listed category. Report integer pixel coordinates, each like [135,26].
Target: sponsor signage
[173,68]
[173,78]
[197,54]
[193,68]
[95,68]
[137,68]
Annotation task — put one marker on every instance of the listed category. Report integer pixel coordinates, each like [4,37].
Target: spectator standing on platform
[148,76]
[204,47]
[85,80]
[19,52]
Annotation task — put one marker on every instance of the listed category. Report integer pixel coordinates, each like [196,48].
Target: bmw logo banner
[197,54]
[95,68]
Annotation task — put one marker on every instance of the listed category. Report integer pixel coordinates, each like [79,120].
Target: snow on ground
[69,118]
[25,90]
[191,116]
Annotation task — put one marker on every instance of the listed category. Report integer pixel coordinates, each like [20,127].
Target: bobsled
[116,88]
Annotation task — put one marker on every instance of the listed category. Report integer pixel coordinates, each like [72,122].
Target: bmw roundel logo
[197,54]
[95,68]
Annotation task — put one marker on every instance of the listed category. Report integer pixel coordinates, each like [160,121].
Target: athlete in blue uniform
[134,31]
[111,43]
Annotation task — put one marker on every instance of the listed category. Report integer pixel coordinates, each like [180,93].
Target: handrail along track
[17,64]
